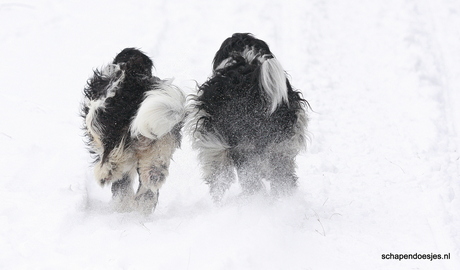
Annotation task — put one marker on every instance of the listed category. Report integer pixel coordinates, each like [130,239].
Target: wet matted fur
[248,117]
[132,122]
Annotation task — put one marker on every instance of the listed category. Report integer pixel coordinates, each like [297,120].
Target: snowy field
[381,174]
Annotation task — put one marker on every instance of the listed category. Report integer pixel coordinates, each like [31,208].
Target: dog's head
[241,45]
[245,47]
[133,60]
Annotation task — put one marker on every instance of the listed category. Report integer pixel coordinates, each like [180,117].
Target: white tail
[161,110]
[273,81]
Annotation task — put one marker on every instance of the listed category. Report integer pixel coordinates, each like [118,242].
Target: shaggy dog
[247,117]
[132,123]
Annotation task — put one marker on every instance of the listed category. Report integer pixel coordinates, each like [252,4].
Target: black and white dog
[133,124]
[247,116]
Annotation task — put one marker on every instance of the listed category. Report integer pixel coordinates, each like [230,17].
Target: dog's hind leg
[146,199]
[281,174]
[122,191]
[217,167]
[250,174]
[219,177]
[154,158]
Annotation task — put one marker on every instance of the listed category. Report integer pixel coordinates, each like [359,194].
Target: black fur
[121,91]
[238,43]
[119,110]
[236,108]
[233,107]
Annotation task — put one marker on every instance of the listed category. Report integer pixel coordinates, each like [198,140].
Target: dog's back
[240,111]
[113,97]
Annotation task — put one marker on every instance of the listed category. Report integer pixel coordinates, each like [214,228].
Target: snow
[381,174]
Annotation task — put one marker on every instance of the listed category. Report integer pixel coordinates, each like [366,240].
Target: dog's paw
[146,202]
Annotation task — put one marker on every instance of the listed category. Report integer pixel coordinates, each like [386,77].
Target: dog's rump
[237,109]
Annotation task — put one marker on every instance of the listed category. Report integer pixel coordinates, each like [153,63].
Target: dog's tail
[273,81]
[161,110]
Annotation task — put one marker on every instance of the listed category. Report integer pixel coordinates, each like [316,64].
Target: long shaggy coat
[132,122]
[248,117]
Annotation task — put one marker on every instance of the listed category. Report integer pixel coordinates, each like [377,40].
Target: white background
[380,175]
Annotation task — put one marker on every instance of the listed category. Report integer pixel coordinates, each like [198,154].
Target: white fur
[249,54]
[213,148]
[302,136]
[214,152]
[119,162]
[93,126]
[104,172]
[161,110]
[272,77]
[110,71]
[273,81]
[225,62]
[211,142]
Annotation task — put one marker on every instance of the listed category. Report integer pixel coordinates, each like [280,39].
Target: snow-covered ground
[381,174]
